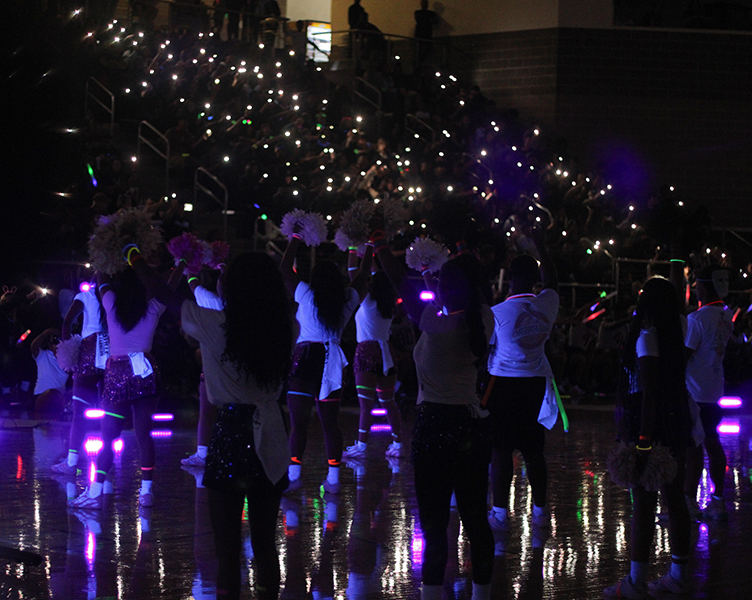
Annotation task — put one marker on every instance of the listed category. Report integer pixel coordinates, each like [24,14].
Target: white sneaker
[194,460]
[395,451]
[354,451]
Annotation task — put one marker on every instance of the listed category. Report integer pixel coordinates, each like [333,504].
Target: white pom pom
[67,353]
[290,220]
[425,254]
[314,229]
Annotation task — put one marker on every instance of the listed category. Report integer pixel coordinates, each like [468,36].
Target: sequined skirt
[232,464]
[87,354]
[369,358]
[122,387]
[447,433]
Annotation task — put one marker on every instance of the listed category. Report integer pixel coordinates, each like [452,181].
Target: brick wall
[678,102]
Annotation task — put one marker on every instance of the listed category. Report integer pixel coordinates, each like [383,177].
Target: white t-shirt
[225,385]
[92,315]
[523,324]
[370,325]
[206,299]
[49,374]
[139,338]
[311,329]
[708,333]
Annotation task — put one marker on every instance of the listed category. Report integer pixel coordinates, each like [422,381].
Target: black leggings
[450,454]
[226,510]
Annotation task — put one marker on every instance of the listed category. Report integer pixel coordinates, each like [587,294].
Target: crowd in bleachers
[280,135]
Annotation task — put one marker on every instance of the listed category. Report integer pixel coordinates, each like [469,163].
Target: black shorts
[514,404]
[308,362]
[710,416]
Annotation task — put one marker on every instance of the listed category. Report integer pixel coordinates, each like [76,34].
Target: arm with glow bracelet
[360,281]
[352,263]
[289,276]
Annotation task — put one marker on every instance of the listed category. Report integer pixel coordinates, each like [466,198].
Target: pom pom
[425,254]
[311,227]
[219,251]
[67,353]
[114,232]
[394,217]
[659,470]
[355,222]
[187,246]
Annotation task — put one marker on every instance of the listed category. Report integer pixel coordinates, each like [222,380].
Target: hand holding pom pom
[192,250]
[310,227]
[425,255]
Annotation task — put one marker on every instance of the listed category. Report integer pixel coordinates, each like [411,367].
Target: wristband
[352,249]
[297,236]
[127,249]
[377,235]
[677,260]
[132,261]
[192,278]
[423,269]
[643,448]
[182,260]
[352,268]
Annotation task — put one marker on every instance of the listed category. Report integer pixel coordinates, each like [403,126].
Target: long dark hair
[131,299]
[460,288]
[384,294]
[258,324]
[329,297]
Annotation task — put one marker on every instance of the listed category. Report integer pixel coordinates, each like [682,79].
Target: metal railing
[162,154]
[224,202]
[90,94]
[413,123]
[368,89]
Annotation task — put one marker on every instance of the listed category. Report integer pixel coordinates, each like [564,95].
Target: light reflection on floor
[365,544]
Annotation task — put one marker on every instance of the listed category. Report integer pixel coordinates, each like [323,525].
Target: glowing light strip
[730,402]
[378,412]
[427,295]
[162,417]
[161,433]
[94,413]
[93,445]
[729,427]
[117,445]
[381,427]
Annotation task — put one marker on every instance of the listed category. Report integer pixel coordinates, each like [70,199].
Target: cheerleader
[131,378]
[245,349]
[375,373]
[88,369]
[325,306]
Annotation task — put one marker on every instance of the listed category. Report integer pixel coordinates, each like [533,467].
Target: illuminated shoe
[498,523]
[626,589]
[63,468]
[194,460]
[357,450]
[716,510]
[294,485]
[87,502]
[669,585]
[395,450]
[330,488]
[146,499]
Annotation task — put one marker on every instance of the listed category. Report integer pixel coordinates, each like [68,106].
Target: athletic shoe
[146,499]
[330,488]
[63,468]
[395,451]
[84,501]
[543,520]
[669,585]
[626,589]
[716,510]
[194,460]
[498,524]
[354,451]
[294,485]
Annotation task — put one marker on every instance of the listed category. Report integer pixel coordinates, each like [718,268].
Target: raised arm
[547,267]
[396,274]
[41,340]
[75,310]
[289,276]
[155,285]
[360,282]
